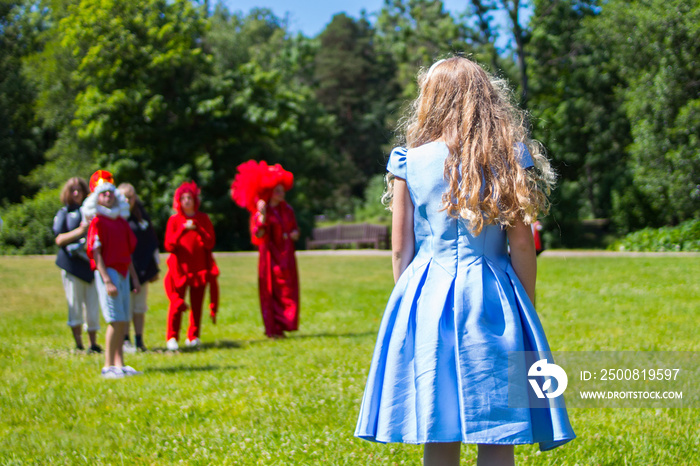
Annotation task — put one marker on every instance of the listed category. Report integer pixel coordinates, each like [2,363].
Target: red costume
[190,265]
[278,279]
[108,227]
[116,241]
[536,228]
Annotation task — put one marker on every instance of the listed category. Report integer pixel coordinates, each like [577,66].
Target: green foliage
[118,83]
[235,39]
[163,91]
[615,102]
[22,140]
[656,44]
[416,33]
[577,113]
[150,91]
[27,225]
[683,237]
[247,400]
[373,210]
[355,83]
[261,106]
[487,30]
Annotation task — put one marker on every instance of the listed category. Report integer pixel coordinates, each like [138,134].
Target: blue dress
[439,372]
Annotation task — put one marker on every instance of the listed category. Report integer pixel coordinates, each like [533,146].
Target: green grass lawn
[244,399]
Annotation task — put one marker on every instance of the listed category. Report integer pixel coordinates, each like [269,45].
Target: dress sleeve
[397,162]
[523,155]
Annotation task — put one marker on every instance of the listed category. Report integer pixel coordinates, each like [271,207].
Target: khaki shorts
[139,303]
[83,303]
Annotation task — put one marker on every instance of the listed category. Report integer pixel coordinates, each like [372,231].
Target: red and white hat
[101,181]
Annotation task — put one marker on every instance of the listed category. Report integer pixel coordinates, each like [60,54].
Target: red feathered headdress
[256,180]
[278,175]
[186,187]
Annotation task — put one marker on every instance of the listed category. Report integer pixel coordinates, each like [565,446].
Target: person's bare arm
[134,279]
[402,236]
[523,256]
[64,239]
[100,262]
[262,218]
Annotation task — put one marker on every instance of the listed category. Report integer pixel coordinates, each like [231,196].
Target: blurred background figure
[145,260]
[70,229]
[536,227]
[190,239]
[273,229]
[110,243]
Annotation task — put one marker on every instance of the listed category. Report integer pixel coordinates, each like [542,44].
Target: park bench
[349,234]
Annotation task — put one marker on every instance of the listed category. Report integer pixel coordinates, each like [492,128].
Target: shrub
[27,226]
[684,237]
[372,210]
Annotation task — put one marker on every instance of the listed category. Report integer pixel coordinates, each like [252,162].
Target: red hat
[186,187]
[101,180]
[256,180]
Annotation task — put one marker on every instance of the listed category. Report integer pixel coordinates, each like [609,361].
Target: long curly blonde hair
[472,113]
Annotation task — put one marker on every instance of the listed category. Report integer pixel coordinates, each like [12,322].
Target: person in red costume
[536,228]
[190,238]
[273,229]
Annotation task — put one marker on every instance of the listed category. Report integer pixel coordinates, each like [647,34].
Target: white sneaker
[128,371]
[128,348]
[193,343]
[172,345]
[112,372]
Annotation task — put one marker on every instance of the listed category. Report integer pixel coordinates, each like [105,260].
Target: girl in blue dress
[470,182]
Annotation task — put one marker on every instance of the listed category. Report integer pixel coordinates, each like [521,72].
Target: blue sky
[311,16]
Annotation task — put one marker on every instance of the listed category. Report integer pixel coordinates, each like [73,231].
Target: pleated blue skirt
[440,368]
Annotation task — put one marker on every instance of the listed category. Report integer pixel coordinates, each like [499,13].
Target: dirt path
[548,253]
[383,252]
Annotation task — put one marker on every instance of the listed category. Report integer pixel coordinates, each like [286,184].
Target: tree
[355,83]
[416,33]
[657,44]
[141,89]
[261,106]
[577,113]
[118,81]
[487,34]
[22,141]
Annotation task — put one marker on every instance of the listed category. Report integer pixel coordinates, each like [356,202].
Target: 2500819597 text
[639,374]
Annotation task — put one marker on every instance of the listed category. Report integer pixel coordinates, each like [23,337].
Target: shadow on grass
[291,336]
[333,335]
[238,344]
[186,368]
[222,344]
